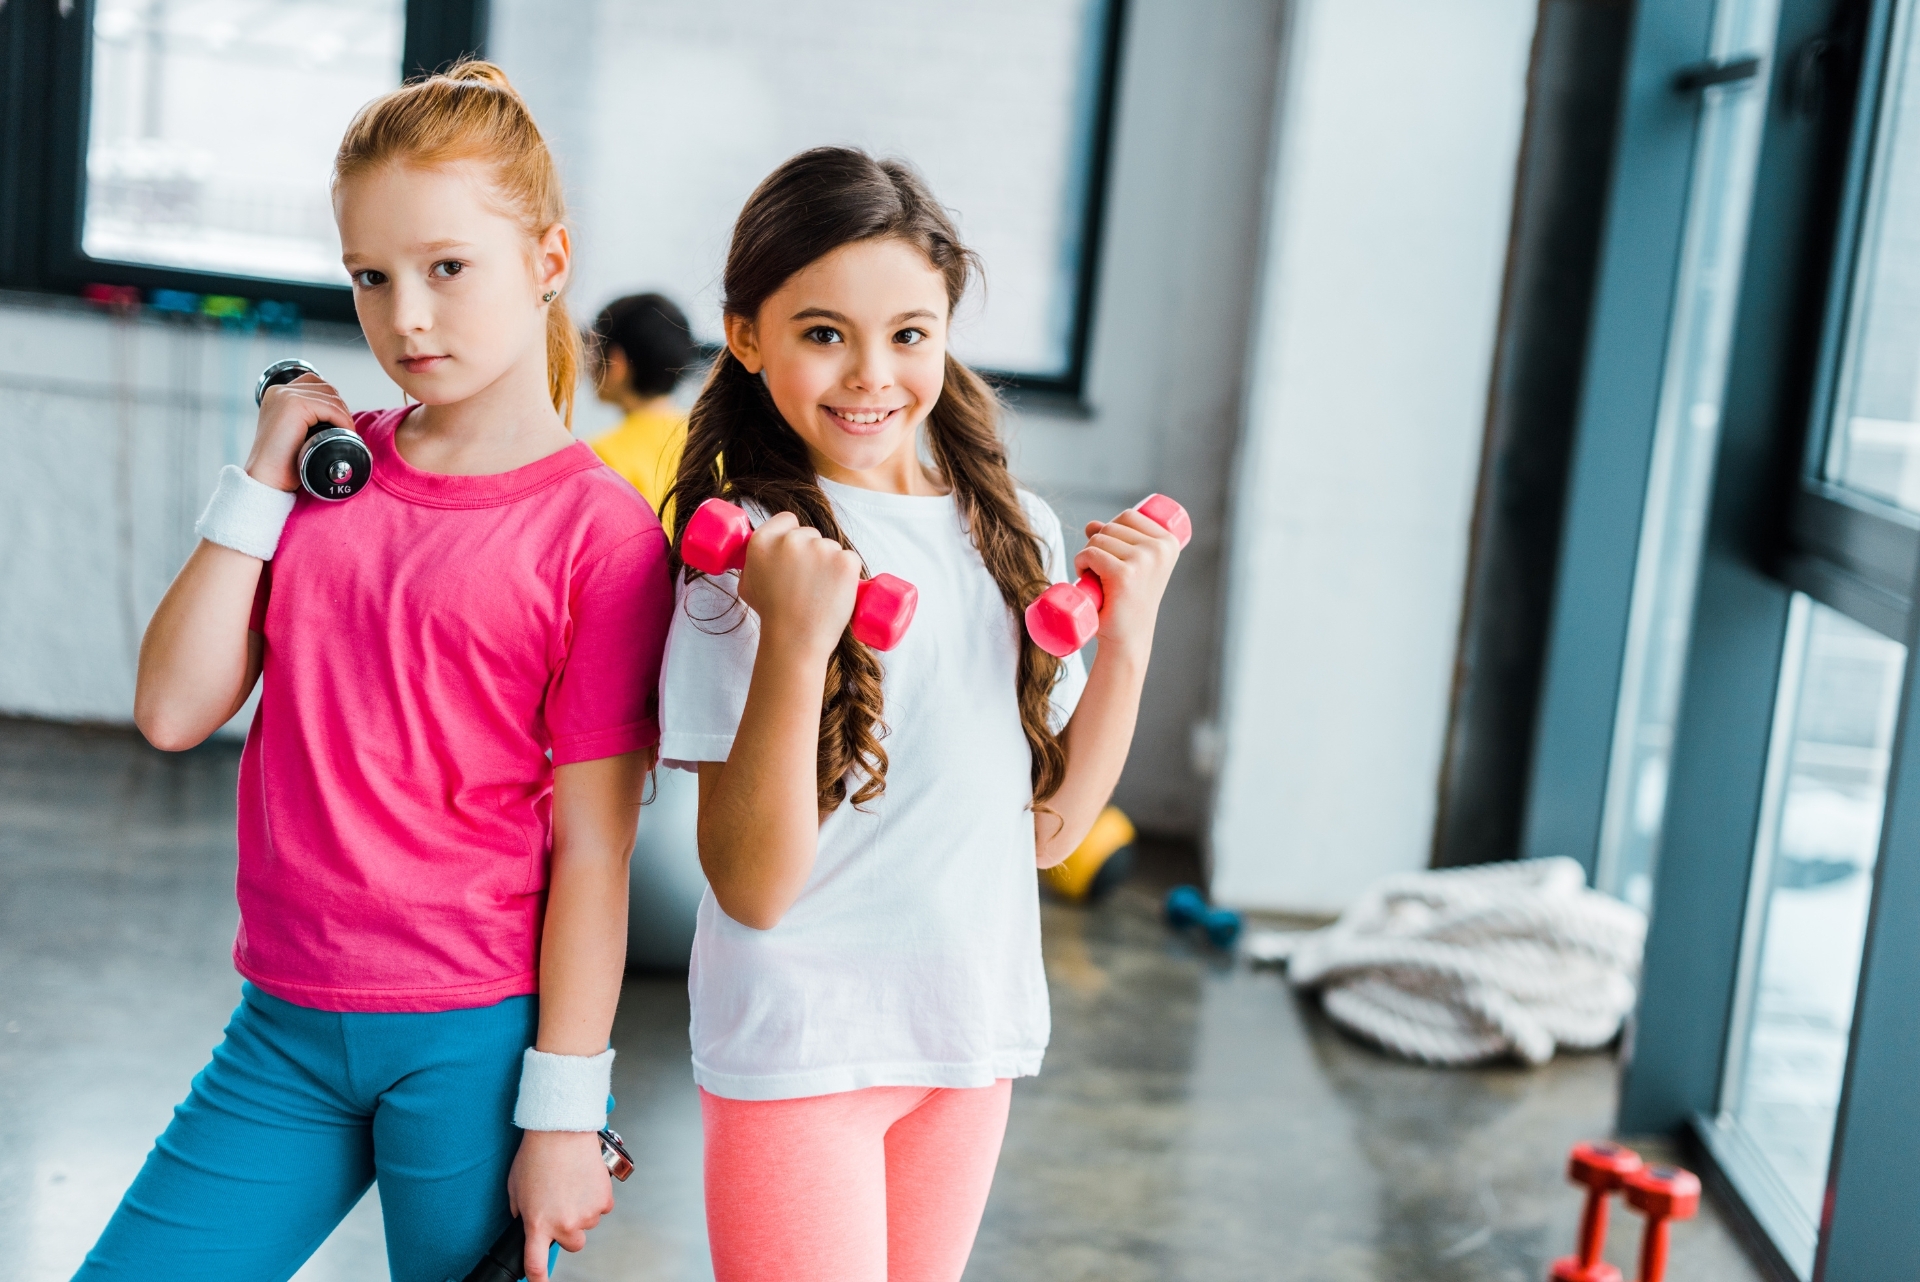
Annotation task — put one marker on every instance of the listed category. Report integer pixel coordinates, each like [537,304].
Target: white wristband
[244,515]
[563,1092]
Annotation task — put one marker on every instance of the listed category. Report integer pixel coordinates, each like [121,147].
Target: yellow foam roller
[1097,864]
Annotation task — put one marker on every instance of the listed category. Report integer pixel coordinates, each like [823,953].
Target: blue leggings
[298,1112]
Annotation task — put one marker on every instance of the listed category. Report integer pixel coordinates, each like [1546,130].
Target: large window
[176,152]
[184,145]
[1806,921]
[1764,773]
[670,113]
[1874,444]
[176,177]
[1686,436]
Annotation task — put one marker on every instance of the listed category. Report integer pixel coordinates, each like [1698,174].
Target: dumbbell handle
[1065,616]
[505,1260]
[715,541]
[1593,1226]
[1653,1249]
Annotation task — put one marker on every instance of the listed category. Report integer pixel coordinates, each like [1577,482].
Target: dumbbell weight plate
[334,463]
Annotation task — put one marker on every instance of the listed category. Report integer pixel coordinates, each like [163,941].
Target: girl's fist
[1133,557]
[802,585]
[287,414]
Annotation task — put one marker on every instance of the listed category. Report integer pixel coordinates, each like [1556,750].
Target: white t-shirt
[912,956]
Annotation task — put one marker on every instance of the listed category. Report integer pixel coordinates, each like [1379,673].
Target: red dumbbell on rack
[1602,1168]
[1663,1194]
[1066,615]
[715,541]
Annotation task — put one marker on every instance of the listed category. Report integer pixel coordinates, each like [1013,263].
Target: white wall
[113,430]
[1167,370]
[1394,159]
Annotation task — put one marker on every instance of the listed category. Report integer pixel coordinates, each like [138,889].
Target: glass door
[1686,438]
[1806,921]
[1761,792]
[1790,1068]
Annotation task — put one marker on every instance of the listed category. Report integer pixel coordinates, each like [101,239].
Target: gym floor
[1195,1119]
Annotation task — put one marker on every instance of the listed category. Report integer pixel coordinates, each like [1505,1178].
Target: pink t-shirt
[428,642]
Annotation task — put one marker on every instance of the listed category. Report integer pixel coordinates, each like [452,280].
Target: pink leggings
[881,1185]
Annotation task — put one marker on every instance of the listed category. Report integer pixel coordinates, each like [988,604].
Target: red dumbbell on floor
[715,541]
[1602,1168]
[1066,615]
[1663,1194]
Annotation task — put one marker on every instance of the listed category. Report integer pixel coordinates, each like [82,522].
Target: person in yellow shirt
[642,346]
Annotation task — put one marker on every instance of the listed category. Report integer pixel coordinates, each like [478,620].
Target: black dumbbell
[335,463]
[504,1260]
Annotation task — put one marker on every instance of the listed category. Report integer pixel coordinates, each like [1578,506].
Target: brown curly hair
[810,206]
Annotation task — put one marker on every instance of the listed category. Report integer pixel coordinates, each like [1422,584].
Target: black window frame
[45,54]
[46,49]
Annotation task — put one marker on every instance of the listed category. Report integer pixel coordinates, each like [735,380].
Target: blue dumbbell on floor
[1186,907]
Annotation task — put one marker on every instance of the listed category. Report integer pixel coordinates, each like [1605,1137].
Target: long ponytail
[563,359]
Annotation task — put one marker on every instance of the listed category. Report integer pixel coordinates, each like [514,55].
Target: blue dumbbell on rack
[1187,907]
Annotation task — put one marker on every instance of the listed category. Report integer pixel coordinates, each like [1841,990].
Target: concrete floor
[1195,1120]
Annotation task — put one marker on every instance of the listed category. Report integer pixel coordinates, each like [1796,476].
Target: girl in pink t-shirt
[439,791]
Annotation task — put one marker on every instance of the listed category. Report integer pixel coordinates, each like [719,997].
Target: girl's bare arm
[1133,557]
[759,809]
[198,661]
[558,1185]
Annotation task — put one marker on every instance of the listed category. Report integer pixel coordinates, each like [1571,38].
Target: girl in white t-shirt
[866,977]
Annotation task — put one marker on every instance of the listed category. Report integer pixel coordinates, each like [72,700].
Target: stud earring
[549,296]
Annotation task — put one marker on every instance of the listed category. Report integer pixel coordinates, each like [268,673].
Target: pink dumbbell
[1066,615]
[716,541]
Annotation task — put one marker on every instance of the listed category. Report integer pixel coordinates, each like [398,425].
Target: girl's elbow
[164,728]
[751,906]
[765,919]
[755,912]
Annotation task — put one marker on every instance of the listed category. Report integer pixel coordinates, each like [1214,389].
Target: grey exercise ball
[666,881]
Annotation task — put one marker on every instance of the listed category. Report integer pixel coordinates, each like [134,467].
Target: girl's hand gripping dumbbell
[1066,616]
[505,1260]
[306,436]
[716,541]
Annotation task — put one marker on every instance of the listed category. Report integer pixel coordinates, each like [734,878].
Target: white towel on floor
[1472,964]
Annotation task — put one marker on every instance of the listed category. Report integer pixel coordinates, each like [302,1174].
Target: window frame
[1774,527]
[46,49]
[44,102]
